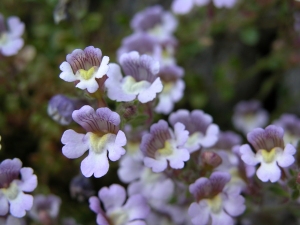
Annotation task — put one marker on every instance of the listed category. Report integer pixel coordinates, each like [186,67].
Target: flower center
[118,217]
[194,138]
[87,74]
[98,143]
[168,86]
[166,150]
[269,156]
[11,192]
[131,86]
[215,203]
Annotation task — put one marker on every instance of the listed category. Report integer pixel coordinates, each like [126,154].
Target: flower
[12,188]
[140,82]
[86,67]
[60,108]
[214,202]
[202,132]
[10,35]
[155,21]
[271,152]
[249,115]
[102,135]
[134,211]
[45,208]
[173,88]
[162,145]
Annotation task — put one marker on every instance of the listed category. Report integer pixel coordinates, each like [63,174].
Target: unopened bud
[211,158]
[129,111]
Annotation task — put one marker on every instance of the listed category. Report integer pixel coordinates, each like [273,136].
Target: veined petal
[96,164]
[75,144]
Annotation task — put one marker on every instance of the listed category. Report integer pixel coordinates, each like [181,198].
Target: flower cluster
[178,168]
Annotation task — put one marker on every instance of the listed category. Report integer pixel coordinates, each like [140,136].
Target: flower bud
[211,159]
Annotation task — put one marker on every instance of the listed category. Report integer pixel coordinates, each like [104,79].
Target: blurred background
[250,51]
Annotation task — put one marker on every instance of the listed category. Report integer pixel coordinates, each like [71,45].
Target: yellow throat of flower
[269,156]
[86,75]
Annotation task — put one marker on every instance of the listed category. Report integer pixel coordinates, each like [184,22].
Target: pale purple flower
[173,88]
[133,212]
[157,188]
[291,125]
[60,108]
[140,81]
[249,115]
[239,171]
[202,132]
[103,135]
[14,181]
[270,151]
[45,208]
[162,145]
[10,35]
[155,21]
[215,203]
[86,67]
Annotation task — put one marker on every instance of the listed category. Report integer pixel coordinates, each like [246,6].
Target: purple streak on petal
[218,181]
[159,133]
[268,138]
[147,19]
[9,171]
[141,67]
